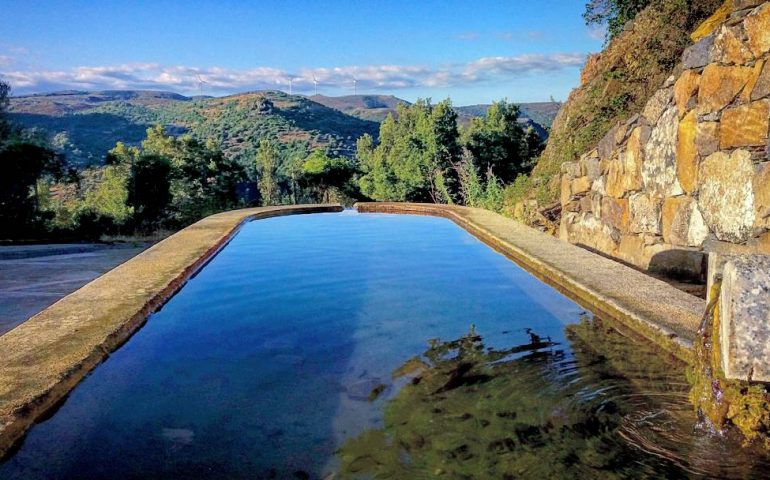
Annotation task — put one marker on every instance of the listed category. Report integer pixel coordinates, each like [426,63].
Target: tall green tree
[327,176]
[415,155]
[22,164]
[498,142]
[150,189]
[266,162]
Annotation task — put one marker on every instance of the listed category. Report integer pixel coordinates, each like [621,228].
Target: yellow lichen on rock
[713,22]
[758,30]
[686,153]
[745,125]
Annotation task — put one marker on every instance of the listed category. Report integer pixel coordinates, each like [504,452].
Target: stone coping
[43,359]
[656,310]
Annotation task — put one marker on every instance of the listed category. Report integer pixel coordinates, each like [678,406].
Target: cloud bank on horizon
[185,79]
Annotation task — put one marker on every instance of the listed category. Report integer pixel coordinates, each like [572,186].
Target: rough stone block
[659,167]
[571,169]
[687,153]
[745,126]
[682,222]
[725,194]
[706,138]
[614,212]
[744,306]
[657,105]
[591,167]
[607,144]
[761,87]
[756,75]
[719,85]
[645,214]
[580,185]
[684,88]
[757,26]
[729,48]
[697,55]
[761,186]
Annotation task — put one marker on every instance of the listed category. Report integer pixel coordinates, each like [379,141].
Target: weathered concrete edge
[590,298]
[24,414]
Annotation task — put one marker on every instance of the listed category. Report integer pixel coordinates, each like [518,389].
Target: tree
[5,127]
[613,13]
[498,143]
[327,174]
[23,164]
[415,155]
[149,192]
[267,158]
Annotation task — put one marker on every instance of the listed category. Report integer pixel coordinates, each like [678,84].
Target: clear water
[302,351]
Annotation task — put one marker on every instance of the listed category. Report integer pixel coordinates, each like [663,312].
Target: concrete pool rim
[38,367]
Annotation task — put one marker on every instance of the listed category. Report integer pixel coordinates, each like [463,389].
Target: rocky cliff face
[690,173]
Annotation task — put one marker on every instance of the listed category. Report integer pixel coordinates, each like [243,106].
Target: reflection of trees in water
[531,411]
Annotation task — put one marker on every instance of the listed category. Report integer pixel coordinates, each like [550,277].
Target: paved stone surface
[45,357]
[34,277]
[745,318]
[655,309]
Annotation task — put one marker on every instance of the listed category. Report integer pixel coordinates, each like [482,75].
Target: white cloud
[468,36]
[6,61]
[221,80]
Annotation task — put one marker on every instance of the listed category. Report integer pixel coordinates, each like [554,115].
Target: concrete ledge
[651,307]
[744,311]
[42,359]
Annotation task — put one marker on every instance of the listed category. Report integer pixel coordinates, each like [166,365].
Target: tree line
[168,182]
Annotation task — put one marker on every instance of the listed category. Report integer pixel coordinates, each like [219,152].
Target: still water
[376,346]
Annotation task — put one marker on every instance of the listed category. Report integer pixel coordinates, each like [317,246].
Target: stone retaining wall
[690,174]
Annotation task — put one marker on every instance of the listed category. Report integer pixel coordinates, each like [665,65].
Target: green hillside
[85,125]
[539,115]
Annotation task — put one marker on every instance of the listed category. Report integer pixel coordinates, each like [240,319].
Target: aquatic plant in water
[720,401]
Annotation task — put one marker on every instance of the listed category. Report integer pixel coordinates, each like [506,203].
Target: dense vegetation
[422,155]
[166,182]
[615,84]
[85,125]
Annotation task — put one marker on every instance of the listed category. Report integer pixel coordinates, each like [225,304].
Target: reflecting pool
[376,346]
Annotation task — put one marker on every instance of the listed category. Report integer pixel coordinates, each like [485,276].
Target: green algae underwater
[722,402]
[614,408]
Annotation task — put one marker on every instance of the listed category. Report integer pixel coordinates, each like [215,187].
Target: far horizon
[522,52]
[310,96]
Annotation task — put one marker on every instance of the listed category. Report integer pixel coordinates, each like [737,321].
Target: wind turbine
[355,91]
[200,85]
[315,84]
[291,80]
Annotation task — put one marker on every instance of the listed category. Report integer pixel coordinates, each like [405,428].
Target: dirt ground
[32,277]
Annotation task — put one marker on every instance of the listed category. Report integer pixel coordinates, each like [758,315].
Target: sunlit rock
[745,125]
[757,26]
[659,166]
[725,194]
[645,214]
[687,153]
[682,222]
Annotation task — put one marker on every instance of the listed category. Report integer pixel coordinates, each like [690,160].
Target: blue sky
[471,51]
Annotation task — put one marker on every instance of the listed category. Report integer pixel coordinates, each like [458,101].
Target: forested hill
[85,125]
[539,115]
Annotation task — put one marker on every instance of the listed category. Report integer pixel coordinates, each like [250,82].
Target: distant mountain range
[539,115]
[85,125]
